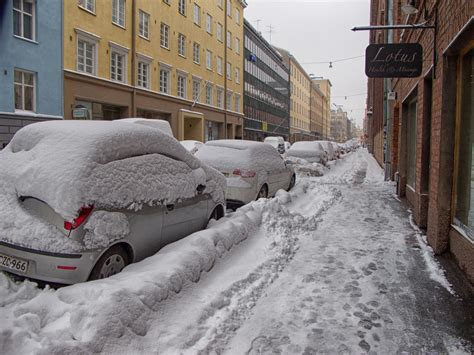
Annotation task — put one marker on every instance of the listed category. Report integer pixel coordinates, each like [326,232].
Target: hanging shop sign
[388,60]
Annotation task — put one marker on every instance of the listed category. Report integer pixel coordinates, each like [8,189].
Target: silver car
[81,200]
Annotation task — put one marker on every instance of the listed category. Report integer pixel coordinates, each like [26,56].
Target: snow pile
[71,164]
[310,169]
[433,267]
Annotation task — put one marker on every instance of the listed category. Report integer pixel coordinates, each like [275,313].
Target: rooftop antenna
[270,31]
[258,24]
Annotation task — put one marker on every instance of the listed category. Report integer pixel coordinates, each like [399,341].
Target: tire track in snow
[232,307]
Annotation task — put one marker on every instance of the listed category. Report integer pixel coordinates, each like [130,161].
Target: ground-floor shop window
[464,215]
[211,131]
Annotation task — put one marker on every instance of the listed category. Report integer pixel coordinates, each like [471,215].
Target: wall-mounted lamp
[409,8]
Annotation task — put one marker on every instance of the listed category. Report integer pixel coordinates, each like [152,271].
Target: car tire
[216,214]
[292,182]
[263,193]
[110,263]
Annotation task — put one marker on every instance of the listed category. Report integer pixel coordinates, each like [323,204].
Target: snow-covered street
[333,266]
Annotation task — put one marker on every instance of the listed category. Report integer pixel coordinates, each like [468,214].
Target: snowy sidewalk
[334,266]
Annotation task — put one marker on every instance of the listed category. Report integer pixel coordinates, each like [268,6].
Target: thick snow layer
[228,155]
[162,125]
[311,151]
[71,164]
[327,267]
[103,227]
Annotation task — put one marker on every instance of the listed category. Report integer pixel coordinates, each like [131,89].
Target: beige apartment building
[316,111]
[324,85]
[300,99]
[177,60]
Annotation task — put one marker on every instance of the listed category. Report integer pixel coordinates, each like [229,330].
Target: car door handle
[170,207]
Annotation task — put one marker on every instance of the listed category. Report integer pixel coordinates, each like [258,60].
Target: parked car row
[80,200]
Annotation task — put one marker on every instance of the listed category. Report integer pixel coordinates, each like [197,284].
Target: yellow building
[177,60]
[324,85]
[317,111]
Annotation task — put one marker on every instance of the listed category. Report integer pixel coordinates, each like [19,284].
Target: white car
[192,146]
[329,148]
[80,200]
[276,142]
[311,151]
[253,169]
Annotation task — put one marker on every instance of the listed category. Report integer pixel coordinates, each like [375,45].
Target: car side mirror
[200,189]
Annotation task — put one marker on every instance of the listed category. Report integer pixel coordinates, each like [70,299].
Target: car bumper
[51,267]
[242,192]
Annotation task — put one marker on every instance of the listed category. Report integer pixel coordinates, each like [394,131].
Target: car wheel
[263,193]
[217,213]
[110,263]
[292,182]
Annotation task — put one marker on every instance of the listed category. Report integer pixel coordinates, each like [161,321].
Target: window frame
[196,53]
[197,15]
[196,95]
[208,23]
[23,85]
[145,61]
[219,32]
[219,67]
[122,51]
[164,86]
[184,77]
[142,15]
[84,3]
[182,7]
[181,45]
[208,59]
[22,20]
[92,40]
[117,14]
[164,36]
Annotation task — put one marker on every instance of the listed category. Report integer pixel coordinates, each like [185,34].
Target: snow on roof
[307,145]
[235,144]
[162,125]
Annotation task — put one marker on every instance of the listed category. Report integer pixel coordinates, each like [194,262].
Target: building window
[118,12]
[237,75]
[117,66]
[167,2]
[220,3]
[144,20]
[196,89]
[182,7]
[24,19]
[208,59]
[229,71]
[237,16]
[411,143]
[209,94]
[219,32]
[219,65]
[229,101]
[24,90]
[182,44]
[237,45]
[209,23]
[86,56]
[144,75]
[165,81]
[464,215]
[237,103]
[197,15]
[89,5]
[229,8]
[196,53]
[181,86]
[164,36]
[229,39]
[220,98]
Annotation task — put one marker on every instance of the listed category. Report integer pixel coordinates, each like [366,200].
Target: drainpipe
[134,56]
[225,69]
[387,114]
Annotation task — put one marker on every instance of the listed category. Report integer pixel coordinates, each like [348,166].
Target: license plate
[12,263]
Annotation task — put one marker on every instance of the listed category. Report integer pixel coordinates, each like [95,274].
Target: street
[334,266]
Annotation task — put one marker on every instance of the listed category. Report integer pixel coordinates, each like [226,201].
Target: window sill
[86,10]
[26,39]
[197,63]
[145,38]
[167,48]
[182,56]
[118,25]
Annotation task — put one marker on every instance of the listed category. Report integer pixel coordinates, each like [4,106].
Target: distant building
[300,94]
[340,125]
[324,86]
[316,111]
[266,90]
[31,80]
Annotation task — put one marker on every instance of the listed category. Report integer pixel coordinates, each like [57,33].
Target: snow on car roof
[307,145]
[236,144]
[53,161]
[162,125]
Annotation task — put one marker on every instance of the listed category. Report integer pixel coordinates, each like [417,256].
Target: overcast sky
[320,31]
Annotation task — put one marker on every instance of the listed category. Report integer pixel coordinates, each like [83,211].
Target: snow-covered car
[162,125]
[329,148]
[79,200]
[287,146]
[311,151]
[191,146]
[276,142]
[253,169]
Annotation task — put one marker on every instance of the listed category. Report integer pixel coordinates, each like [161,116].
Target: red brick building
[430,124]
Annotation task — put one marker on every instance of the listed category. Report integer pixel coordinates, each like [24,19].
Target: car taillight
[244,173]
[84,212]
